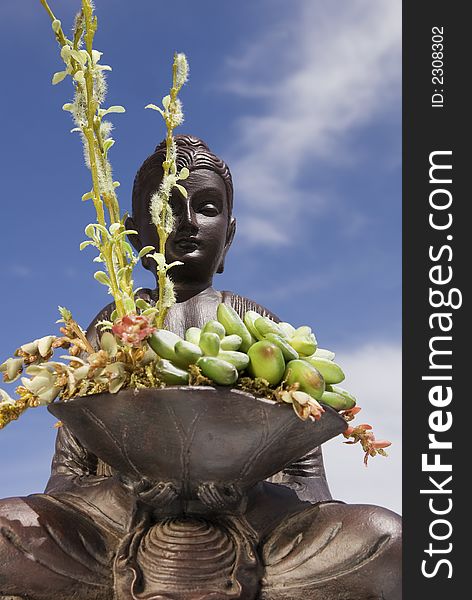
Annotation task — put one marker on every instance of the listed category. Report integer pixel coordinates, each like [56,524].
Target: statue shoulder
[241,304]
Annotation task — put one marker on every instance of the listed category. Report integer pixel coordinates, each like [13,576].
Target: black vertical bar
[436,129]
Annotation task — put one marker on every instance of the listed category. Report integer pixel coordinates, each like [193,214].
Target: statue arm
[76,476]
[73,466]
[306,477]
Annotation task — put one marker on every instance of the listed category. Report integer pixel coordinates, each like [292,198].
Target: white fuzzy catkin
[169,221]
[169,294]
[155,208]
[177,115]
[99,86]
[106,127]
[85,148]
[79,108]
[182,70]
[105,177]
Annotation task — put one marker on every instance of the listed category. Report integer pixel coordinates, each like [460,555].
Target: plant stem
[169,167]
[88,80]
[88,131]
[80,334]
[161,315]
[48,9]
[60,33]
[61,38]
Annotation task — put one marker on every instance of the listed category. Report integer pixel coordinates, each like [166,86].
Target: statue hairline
[187,155]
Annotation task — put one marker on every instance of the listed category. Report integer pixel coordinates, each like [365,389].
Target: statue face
[203,229]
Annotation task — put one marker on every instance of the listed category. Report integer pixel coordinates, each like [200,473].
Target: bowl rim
[208,388]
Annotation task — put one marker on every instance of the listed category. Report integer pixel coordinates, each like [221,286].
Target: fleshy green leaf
[115,227]
[166,102]
[96,55]
[107,144]
[176,263]
[159,258]
[145,251]
[115,109]
[66,53]
[87,196]
[85,244]
[90,231]
[102,278]
[129,305]
[79,55]
[80,77]
[154,107]
[108,343]
[142,304]
[58,77]
[127,248]
[182,190]
[122,272]
[68,107]
[101,228]
[184,173]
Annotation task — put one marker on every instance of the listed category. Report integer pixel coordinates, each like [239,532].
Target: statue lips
[186,244]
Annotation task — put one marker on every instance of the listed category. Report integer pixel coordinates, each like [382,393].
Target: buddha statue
[75,541]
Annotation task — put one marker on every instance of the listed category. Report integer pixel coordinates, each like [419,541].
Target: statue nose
[188,217]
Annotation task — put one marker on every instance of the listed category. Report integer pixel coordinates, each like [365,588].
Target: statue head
[204,225]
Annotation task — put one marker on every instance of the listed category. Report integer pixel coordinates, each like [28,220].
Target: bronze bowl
[190,436]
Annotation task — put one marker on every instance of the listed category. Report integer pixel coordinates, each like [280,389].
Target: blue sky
[302,99]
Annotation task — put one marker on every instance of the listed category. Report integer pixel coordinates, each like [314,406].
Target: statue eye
[209,209]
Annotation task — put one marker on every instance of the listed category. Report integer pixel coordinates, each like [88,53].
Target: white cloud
[374,376]
[326,70]
[21,271]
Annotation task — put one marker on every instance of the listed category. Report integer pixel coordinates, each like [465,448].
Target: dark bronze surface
[173,501]
[193,443]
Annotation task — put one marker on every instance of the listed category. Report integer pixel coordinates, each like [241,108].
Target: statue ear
[229,240]
[136,242]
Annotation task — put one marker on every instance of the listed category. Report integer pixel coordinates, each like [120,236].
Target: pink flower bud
[132,329]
